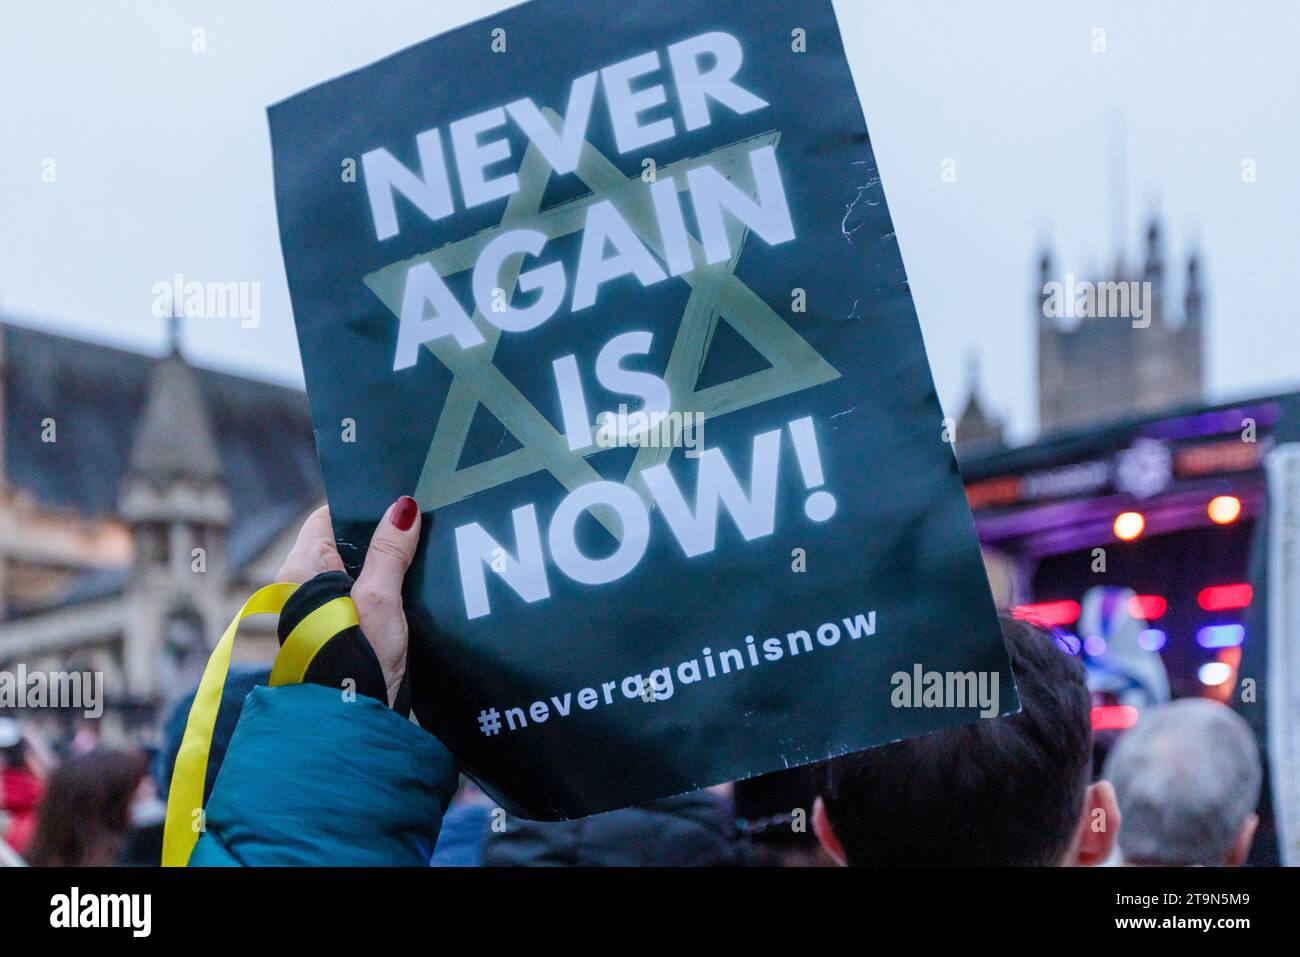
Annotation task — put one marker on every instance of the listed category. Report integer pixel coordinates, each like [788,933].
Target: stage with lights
[1134,542]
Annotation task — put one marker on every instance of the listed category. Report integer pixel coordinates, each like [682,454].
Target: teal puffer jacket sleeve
[311,779]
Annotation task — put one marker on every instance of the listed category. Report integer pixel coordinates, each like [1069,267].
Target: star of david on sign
[716,293]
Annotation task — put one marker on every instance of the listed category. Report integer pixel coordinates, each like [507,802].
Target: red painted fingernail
[404,513]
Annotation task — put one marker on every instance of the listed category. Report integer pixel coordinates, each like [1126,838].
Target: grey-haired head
[1187,779]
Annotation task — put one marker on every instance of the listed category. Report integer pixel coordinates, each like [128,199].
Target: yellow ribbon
[185,796]
[308,637]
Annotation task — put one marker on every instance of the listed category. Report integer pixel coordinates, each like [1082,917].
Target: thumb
[378,591]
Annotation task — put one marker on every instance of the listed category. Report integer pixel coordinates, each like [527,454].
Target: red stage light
[1224,509]
[1225,597]
[1113,717]
[1048,613]
[1129,525]
[1149,607]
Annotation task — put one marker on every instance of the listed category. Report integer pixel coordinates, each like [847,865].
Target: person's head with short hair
[1002,791]
[1187,778]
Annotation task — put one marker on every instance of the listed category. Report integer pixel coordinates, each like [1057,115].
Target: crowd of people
[1181,788]
[91,806]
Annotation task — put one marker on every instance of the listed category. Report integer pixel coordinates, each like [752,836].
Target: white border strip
[1282,689]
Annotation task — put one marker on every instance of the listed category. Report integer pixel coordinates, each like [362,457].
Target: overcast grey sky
[163,162]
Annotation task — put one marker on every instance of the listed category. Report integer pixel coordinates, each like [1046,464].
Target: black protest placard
[614,289]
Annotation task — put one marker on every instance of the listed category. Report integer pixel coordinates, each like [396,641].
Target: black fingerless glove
[346,656]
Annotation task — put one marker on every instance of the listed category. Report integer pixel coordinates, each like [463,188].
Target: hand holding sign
[378,591]
[600,618]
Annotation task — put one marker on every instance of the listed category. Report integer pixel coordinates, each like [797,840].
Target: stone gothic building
[1101,367]
[141,501]
[978,430]
[1108,367]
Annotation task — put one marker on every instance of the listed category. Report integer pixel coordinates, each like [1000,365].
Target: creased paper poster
[614,291]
